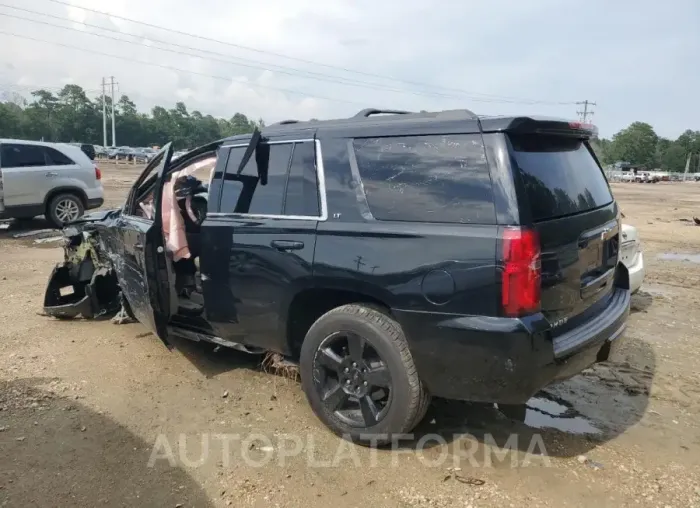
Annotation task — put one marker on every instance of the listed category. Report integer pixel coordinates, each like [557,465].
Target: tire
[385,350]
[62,206]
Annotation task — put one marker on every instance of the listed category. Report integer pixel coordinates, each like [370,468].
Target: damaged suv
[395,256]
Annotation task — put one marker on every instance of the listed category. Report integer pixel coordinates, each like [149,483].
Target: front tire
[359,377]
[64,208]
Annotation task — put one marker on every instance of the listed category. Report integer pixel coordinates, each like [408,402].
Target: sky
[300,59]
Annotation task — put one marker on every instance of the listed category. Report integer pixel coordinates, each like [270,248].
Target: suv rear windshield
[560,175]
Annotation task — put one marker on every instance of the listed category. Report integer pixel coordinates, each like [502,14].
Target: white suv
[52,179]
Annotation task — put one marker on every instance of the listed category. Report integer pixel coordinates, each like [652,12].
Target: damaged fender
[85,284]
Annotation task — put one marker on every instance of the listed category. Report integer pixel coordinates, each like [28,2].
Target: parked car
[123,152]
[631,255]
[52,179]
[101,151]
[87,149]
[395,256]
[149,153]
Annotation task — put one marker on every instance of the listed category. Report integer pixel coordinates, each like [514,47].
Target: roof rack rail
[366,113]
[287,122]
[457,113]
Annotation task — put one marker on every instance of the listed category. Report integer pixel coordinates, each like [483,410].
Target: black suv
[395,256]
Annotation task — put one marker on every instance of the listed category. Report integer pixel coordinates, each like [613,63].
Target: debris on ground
[277,364]
[123,317]
[697,221]
[50,239]
[33,233]
[582,459]
[468,480]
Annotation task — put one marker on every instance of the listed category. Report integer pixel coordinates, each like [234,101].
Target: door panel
[255,255]
[252,268]
[143,268]
[24,186]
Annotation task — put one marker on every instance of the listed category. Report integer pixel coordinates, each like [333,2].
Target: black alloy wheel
[359,376]
[353,381]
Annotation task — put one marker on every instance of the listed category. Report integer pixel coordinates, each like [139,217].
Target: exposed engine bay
[86,284]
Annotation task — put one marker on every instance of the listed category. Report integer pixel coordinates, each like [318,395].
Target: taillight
[520,286]
[98,173]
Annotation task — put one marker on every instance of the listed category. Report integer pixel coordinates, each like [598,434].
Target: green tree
[70,115]
[674,157]
[636,144]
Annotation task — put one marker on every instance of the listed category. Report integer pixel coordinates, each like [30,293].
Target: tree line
[639,145]
[69,115]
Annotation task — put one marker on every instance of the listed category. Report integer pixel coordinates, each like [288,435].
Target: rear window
[427,178]
[57,158]
[560,175]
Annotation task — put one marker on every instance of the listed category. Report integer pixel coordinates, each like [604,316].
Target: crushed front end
[85,284]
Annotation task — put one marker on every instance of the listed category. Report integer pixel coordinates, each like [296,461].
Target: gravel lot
[91,412]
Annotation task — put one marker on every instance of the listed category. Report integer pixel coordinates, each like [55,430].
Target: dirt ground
[97,414]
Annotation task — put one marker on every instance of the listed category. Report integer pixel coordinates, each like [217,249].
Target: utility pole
[585,113]
[687,166]
[114,132]
[104,114]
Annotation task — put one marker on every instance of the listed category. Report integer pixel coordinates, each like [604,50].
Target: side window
[22,156]
[427,178]
[56,158]
[231,189]
[302,186]
[245,194]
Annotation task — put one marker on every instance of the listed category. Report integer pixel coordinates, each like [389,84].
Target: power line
[275,68]
[176,69]
[13,87]
[338,80]
[585,113]
[279,55]
[230,59]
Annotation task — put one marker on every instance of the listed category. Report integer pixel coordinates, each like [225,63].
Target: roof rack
[366,113]
[456,113]
[287,122]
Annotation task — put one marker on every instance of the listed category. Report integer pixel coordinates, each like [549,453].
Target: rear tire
[64,208]
[359,377]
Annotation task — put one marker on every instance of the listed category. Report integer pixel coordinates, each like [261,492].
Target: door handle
[287,244]
[51,174]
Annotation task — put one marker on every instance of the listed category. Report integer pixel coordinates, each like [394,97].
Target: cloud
[633,58]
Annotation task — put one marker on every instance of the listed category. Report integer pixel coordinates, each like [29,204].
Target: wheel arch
[76,191]
[310,303]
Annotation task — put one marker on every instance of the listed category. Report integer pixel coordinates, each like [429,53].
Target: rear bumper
[636,271]
[94,203]
[491,359]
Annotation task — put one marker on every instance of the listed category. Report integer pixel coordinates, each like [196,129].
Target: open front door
[144,269]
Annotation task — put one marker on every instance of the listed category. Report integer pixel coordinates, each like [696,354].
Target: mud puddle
[547,413]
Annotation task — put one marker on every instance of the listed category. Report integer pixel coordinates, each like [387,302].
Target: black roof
[373,122]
